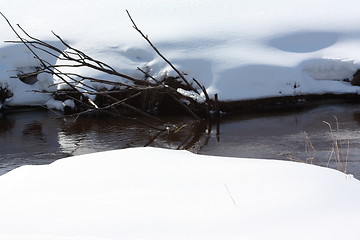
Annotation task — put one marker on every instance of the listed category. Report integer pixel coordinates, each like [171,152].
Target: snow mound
[240,50]
[148,193]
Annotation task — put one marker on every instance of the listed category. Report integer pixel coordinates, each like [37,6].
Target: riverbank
[273,104]
[263,58]
[285,103]
[249,52]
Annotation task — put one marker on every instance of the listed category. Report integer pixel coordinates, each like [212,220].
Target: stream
[325,134]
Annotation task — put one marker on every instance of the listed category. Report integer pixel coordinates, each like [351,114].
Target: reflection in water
[5,124]
[38,137]
[33,132]
[357,117]
[302,136]
[92,134]
[28,137]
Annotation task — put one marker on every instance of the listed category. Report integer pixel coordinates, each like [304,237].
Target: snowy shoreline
[285,102]
[248,51]
[240,50]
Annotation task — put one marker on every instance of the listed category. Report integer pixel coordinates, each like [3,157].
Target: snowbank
[148,193]
[238,49]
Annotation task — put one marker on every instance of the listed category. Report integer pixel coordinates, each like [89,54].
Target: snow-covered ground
[148,193]
[238,49]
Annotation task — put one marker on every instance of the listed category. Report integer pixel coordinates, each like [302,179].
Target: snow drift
[238,49]
[148,193]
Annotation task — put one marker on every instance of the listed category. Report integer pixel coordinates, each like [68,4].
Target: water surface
[40,137]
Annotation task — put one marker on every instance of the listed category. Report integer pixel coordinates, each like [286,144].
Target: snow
[238,49]
[148,193]
[196,97]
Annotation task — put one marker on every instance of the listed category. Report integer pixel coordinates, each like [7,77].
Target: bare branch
[162,56]
[125,90]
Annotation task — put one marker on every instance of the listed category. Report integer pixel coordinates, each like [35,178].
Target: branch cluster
[125,94]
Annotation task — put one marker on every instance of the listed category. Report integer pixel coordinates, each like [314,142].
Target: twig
[158,52]
[149,76]
[184,106]
[43,63]
[233,200]
[152,139]
[208,100]
[80,89]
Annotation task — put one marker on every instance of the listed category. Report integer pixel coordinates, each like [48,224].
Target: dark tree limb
[81,87]
[158,52]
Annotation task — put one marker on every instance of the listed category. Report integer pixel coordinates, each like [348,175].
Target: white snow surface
[239,49]
[149,193]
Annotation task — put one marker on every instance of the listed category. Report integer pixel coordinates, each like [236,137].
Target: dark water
[39,137]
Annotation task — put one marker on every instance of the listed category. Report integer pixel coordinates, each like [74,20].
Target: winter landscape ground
[149,193]
[238,49]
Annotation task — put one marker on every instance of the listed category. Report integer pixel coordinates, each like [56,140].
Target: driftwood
[131,97]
